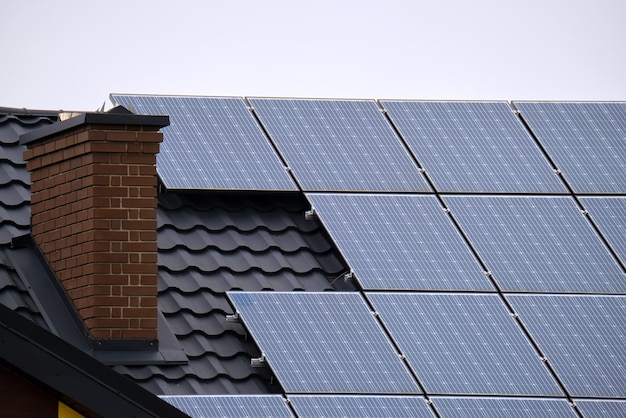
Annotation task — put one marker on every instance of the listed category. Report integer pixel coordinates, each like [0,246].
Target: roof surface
[212,242]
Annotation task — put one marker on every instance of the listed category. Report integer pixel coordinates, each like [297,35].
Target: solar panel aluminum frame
[582,336]
[535,151]
[349,406]
[302,176]
[239,405]
[511,335]
[405,383]
[602,263]
[240,171]
[529,407]
[478,274]
[567,173]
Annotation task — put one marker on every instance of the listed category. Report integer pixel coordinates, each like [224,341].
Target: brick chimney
[93,214]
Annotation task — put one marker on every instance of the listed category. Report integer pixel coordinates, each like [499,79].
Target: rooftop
[465,237]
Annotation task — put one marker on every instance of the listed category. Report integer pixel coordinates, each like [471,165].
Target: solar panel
[399,242]
[541,244]
[587,141]
[339,145]
[602,408]
[362,406]
[464,344]
[323,343]
[502,407]
[211,143]
[609,214]
[583,337]
[474,147]
[212,406]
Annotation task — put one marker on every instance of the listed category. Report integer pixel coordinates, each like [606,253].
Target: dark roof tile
[14,178]
[14,294]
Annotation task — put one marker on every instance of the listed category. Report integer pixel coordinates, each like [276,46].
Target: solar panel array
[464,343]
[503,407]
[400,242]
[587,141]
[211,143]
[347,406]
[538,244]
[602,408]
[231,406]
[339,145]
[474,147]
[497,291]
[583,337]
[323,342]
[609,213]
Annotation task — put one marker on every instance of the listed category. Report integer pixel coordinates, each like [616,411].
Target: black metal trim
[113,117]
[73,373]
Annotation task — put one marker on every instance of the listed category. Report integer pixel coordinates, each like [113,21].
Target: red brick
[148,159]
[148,312]
[121,136]
[139,269]
[140,291]
[150,137]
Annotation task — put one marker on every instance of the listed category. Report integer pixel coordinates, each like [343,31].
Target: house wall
[19,397]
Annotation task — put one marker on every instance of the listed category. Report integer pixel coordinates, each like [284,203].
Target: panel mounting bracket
[234,318]
[259,361]
[309,215]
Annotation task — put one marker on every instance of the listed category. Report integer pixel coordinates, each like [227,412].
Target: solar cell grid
[583,337]
[609,214]
[587,141]
[211,143]
[474,147]
[311,406]
[503,407]
[464,344]
[323,342]
[399,242]
[339,145]
[541,244]
[212,406]
[602,409]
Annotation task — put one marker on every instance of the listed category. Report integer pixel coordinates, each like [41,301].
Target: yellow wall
[67,412]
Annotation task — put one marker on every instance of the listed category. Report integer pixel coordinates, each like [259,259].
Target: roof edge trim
[110,118]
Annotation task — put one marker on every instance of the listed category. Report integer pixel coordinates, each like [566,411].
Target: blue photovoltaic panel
[609,214]
[211,143]
[464,344]
[323,342]
[211,406]
[399,242]
[502,407]
[542,244]
[474,147]
[583,337]
[602,408]
[339,145]
[361,406]
[587,141]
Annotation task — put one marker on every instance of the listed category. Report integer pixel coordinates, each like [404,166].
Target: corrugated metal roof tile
[14,178]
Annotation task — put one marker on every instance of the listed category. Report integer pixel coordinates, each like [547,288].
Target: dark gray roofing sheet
[15,206]
[210,244]
[14,179]
[14,293]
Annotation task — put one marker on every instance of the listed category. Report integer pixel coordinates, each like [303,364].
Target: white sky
[71,54]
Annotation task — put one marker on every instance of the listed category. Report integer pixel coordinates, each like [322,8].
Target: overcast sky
[71,54]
